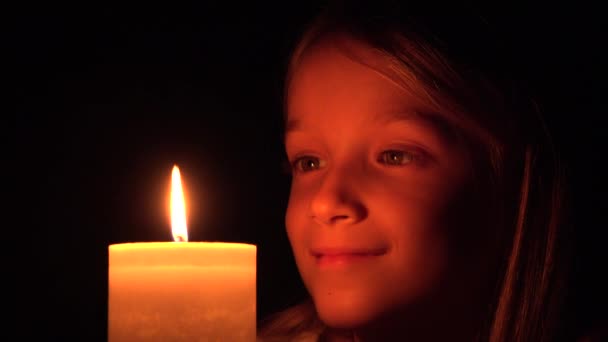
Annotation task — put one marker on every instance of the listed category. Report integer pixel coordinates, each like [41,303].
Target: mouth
[334,257]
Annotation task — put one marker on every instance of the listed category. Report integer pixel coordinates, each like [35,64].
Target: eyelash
[390,158]
[298,167]
[396,157]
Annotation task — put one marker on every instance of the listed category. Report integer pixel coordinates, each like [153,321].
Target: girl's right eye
[306,164]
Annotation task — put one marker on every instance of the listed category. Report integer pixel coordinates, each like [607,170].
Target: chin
[346,310]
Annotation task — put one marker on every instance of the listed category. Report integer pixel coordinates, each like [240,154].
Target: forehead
[339,74]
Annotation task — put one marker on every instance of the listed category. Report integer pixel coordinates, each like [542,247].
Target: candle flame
[178,208]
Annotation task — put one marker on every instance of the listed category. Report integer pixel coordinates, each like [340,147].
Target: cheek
[296,221]
[418,211]
[298,225]
[415,217]
[419,240]
[298,207]
[297,210]
[440,242]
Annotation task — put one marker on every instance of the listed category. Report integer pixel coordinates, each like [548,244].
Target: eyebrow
[428,117]
[443,126]
[411,115]
[446,128]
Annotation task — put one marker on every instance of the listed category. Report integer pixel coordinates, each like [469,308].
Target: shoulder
[295,324]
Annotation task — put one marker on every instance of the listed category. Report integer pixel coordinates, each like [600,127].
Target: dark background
[107,98]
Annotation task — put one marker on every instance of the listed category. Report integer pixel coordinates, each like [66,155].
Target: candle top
[182,253]
[192,244]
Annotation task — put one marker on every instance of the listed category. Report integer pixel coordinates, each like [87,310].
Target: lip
[343,256]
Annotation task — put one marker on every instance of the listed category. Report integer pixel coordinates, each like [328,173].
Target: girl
[426,200]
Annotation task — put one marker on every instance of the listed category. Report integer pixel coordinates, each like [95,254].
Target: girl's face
[378,190]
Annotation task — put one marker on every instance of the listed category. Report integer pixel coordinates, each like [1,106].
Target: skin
[380,203]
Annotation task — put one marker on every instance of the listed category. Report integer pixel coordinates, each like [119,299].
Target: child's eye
[395,157]
[306,164]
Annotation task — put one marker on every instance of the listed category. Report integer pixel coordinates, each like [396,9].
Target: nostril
[333,205]
[339,218]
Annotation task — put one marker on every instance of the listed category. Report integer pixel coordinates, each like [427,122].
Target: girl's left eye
[306,164]
[395,157]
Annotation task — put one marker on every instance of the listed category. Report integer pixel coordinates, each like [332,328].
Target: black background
[108,98]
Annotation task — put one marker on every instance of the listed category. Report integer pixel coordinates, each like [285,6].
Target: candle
[181,291]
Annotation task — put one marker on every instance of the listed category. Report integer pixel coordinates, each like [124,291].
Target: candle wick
[179,238]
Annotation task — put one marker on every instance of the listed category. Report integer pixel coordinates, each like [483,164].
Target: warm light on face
[178,208]
[358,220]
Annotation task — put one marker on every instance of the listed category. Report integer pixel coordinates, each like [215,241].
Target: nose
[337,200]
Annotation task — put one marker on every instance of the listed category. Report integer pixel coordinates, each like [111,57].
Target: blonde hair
[505,127]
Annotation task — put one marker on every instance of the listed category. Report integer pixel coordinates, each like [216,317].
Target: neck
[459,327]
[459,318]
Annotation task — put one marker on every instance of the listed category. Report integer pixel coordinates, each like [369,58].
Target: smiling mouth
[335,258]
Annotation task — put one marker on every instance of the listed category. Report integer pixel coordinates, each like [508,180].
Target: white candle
[182,291]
